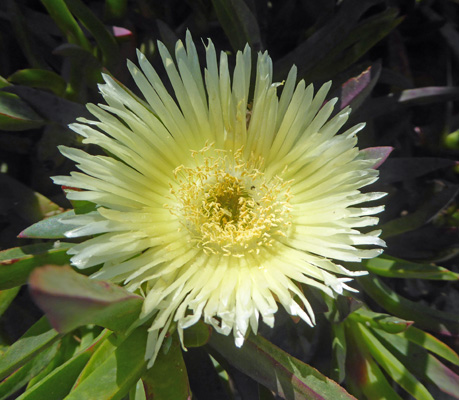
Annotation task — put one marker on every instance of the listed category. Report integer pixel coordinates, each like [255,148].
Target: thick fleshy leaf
[364,375]
[239,23]
[40,79]
[69,27]
[104,39]
[197,335]
[39,337]
[16,114]
[421,363]
[424,214]
[376,153]
[70,299]
[392,267]
[49,228]
[118,373]
[20,377]
[339,348]
[391,364]
[272,367]
[18,199]
[308,54]
[355,90]
[51,107]
[168,378]
[403,168]
[385,322]
[57,384]
[430,343]
[16,264]
[424,317]
[6,297]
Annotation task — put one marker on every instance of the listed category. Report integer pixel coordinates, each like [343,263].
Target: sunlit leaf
[16,264]
[21,376]
[49,228]
[394,368]
[423,316]
[57,384]
[118,373]
[70,299]
[387,323]
[392,267]
[39,337]
[267,364]
[197,335]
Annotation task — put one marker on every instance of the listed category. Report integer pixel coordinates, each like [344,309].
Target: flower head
[216,205]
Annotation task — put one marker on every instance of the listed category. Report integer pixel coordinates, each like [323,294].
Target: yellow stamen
[228,205]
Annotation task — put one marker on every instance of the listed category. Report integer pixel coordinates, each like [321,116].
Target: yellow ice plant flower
[217,206]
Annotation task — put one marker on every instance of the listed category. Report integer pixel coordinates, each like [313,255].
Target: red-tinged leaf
[70,299]
[49,228]
[357,89]
[50,106]
[379,154]
[364,375]
[17,263]
[16,114]
[168,379]
[38,338]
[278,371]
[120,32]
[391,364]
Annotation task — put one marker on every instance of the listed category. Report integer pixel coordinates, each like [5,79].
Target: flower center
[229,205]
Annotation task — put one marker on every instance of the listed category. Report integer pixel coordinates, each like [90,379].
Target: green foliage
[393,62]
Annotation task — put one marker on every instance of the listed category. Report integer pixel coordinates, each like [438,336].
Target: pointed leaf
[51,107]
[424,317]
[421,363]
[40,79]
[385,322]
[16,114]
[430,343]
[57,384]
[168,379]
[119,371]
[379,154]
[17,263]
[239,23]
[197,335]
[49,228]
[272,367]
[70,299]
[39,337]
[394,368]
[392,267]
[20,377]
[6,298]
